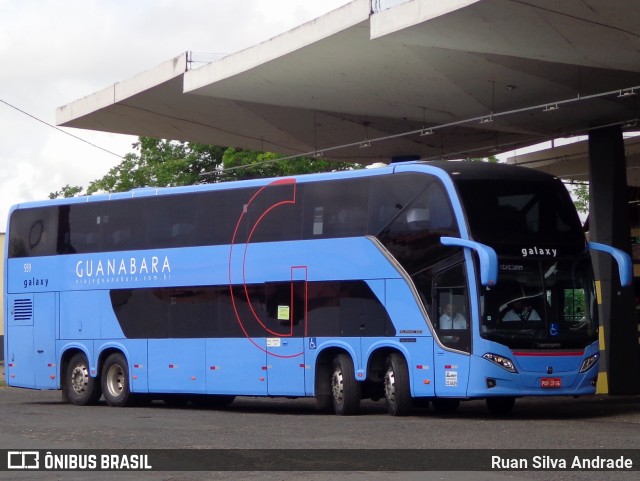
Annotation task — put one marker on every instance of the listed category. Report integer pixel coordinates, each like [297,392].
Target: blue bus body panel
[135,351]
[417,350]
[326,259]
[451,372]
[236,366]
[177,365]
[532,369]
[315,346]
[45,319]
[19,352]
[403,309]
[81,315]
[20,357]
[31,334]
[285,363]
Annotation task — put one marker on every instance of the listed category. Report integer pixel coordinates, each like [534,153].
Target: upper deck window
[504,210]
[280,211]
[413,234]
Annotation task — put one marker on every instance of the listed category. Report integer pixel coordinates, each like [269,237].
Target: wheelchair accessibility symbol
[554,329]
[312,343]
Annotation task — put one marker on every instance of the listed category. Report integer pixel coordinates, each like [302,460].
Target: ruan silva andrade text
[550,462]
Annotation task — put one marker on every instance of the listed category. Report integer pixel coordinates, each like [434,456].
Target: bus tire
[397,391]
[345,390]
[324,403]
[500,406]
[115,381]
[79,387]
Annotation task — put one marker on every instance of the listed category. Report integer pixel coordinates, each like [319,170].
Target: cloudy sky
[53,52]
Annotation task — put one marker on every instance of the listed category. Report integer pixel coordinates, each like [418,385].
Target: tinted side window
[413,236]
[33,232]
[336,208]
[286,305]
[123,224]
[347,308]
[171,222]
[275,214]
[278,212]
[451,303]
[103,226]
[389,195]
[188,312]
[84,224]
[220,216]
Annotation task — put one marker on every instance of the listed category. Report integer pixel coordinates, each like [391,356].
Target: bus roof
[455,169]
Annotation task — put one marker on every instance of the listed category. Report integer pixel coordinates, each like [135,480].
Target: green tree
[165,163]
[580,194]
[239,164]
[66,191]
[160,163]
[492,159]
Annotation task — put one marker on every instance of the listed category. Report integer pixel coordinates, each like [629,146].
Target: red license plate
[550,382]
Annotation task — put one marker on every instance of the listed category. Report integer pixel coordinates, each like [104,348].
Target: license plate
[550,382]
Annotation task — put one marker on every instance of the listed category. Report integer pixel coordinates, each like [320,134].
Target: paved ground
[39,420]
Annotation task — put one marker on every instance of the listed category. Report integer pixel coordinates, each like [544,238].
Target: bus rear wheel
[396,386]
[115,381]
[79,387]
[344,388]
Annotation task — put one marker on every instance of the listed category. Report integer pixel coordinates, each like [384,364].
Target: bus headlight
[589,362]
[503,362]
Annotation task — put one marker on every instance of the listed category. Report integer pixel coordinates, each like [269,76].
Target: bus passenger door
[44,339]
[453,329]
[286,318]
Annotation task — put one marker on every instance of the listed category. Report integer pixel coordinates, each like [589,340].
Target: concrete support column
[609,224]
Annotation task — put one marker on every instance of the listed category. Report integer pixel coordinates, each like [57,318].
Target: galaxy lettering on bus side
[538,251]
[36,282]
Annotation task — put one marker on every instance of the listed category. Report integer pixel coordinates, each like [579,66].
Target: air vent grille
[23,310]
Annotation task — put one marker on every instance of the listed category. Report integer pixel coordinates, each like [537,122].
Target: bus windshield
[541,304]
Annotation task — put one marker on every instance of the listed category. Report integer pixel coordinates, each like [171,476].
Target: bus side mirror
[622,258]
[488,258]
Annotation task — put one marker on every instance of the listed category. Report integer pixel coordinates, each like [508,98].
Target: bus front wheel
[115,381]
[344,388]
[79,387]
[396,386]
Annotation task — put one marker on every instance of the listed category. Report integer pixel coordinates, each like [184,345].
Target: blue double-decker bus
[432,282]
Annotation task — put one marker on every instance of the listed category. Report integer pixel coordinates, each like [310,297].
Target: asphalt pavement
[39,420]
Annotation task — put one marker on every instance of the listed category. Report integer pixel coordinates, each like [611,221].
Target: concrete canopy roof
[484,75]
[571,161]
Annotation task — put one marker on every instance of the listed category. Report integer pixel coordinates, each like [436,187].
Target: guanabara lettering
[122,266]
